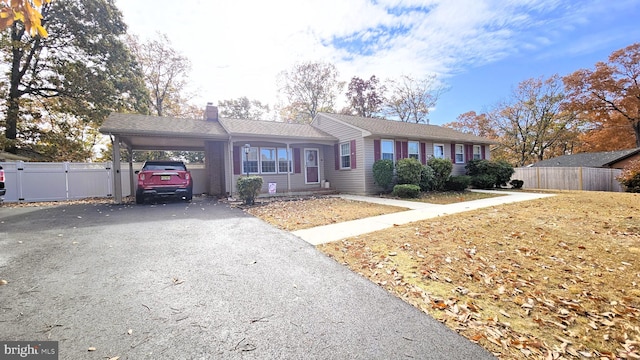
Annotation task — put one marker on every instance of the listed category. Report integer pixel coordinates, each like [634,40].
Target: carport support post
[131,183]
[117,178]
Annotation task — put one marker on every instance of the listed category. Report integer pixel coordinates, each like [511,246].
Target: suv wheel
[189,196]
[139,198]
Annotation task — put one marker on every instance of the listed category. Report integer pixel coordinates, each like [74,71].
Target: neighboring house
[607,159]
[338,149]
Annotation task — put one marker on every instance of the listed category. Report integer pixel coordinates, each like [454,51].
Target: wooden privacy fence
[569,178]
[34,181]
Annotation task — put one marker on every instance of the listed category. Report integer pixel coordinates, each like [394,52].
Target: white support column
[132,185]
[117,176]
[293,165]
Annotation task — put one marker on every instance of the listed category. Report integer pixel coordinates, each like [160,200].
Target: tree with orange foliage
[473,123]
[607,134]
[609,94]
[25,11]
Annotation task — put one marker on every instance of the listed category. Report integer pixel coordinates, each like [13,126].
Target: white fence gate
[33,181]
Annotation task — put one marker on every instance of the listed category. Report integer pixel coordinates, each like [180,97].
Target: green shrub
[483,181]
[383,173]
[630,177]
[406,191]
[516,184]
[442,171]
[408,171]
[249,188]
[500,170]
[427,178]
[457,183]
[504,171]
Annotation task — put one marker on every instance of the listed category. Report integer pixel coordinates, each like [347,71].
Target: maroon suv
[164,179]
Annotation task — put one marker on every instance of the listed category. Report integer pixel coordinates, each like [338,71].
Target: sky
[479,49]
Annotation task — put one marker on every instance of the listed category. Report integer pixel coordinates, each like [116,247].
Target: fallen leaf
[130,331]
[3,282]
[91,348]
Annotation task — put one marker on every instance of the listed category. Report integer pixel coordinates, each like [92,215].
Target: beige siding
[293,182]
[348,180]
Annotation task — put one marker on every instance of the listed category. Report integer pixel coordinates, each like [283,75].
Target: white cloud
[238,47]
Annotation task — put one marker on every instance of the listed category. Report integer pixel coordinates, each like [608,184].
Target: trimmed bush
[427,178]
[630,177]
[516,184]
[500,170]
[483,181]
[408,171]
[383,173]
[457,183]
[406,191]
[442,169]
[249,188]
[504,171]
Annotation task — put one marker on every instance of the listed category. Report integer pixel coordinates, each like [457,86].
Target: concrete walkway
[418,211]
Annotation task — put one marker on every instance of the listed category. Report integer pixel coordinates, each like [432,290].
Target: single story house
[606,159]
[336,149]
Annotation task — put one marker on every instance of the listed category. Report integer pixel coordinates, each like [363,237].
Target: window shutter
[405,149]
[423,153]
[237,163]
[336,152]
[353,154]
[453,152]
[469,153]
[297,164]
[376,150]
[482,151]
[398,150]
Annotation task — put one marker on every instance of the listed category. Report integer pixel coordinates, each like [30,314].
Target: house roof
[273,129]
[161,125]
[596,159]
[383,127]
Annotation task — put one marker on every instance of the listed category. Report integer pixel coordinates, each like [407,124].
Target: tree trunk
[636,131]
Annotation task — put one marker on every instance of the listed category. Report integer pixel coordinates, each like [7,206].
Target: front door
[311,166]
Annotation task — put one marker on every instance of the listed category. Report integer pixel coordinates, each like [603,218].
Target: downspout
[230,182]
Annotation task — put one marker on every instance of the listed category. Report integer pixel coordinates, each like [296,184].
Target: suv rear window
[179,167]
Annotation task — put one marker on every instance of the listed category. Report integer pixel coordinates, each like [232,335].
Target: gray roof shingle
[596,159]
[157,125]
[273,129]
[383,127]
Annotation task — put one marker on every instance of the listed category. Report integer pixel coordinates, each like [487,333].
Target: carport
[223,142]
[149,133]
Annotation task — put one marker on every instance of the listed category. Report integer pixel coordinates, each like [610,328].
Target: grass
[550,278]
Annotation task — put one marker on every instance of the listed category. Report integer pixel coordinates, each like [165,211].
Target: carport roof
[160,125]
[157,132]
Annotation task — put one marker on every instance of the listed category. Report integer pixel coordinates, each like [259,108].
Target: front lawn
[544,279]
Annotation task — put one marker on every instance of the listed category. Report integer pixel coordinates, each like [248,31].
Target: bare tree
[243,108]
[165,73]
[533,120]
[365,96]
[411,99]
[309,87]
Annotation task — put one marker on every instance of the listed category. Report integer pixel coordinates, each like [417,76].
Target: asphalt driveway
[196,281]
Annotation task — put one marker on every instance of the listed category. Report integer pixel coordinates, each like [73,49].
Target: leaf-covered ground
[555,278]
[311,212]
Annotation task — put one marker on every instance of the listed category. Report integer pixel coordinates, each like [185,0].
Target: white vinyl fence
[569,178]
[34,181]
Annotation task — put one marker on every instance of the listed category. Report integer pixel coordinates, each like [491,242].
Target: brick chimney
[211,112]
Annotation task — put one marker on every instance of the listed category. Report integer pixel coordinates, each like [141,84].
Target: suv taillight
[186,176]
[141,176]
[1,175]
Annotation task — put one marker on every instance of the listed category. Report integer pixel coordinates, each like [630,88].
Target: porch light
[246,147]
